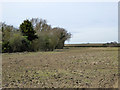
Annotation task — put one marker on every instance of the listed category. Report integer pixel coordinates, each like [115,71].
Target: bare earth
[68,68]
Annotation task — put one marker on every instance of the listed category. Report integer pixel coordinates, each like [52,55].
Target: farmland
[71,67]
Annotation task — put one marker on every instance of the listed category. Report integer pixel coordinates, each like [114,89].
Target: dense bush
[6,34]
[62,36]
[33,35]
[16,43]
[57,36]
[6,47]
[19,43]
[111,44]
[45,42]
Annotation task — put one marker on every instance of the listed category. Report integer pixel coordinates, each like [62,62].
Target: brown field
[84,67]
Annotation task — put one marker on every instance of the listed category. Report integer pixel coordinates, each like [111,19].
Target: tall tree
[40,25]
[62,36]
[27,30]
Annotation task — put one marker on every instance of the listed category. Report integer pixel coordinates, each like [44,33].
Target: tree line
[32,35]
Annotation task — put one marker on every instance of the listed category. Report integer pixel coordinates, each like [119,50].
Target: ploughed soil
[79,67]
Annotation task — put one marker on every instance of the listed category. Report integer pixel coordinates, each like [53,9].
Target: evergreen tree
[27,30]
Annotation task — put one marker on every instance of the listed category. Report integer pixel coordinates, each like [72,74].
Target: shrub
[62,36]
[6,47]
[45,42]
[18,43]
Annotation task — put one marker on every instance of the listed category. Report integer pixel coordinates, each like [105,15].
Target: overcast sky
[93,22]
